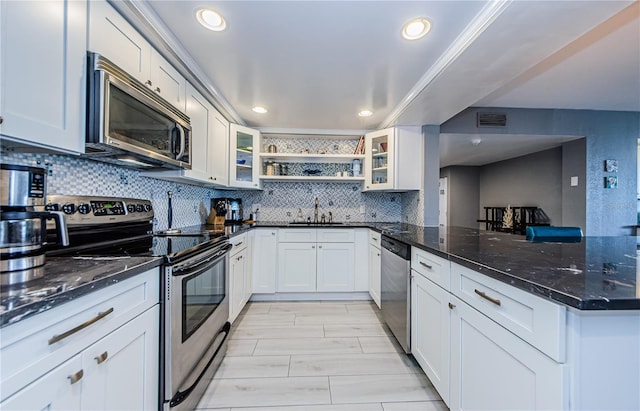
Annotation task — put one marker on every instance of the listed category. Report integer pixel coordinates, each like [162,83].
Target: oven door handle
[181,395]
[188,268]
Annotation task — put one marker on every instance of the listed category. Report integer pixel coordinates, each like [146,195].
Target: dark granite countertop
[65,279]
[597,273]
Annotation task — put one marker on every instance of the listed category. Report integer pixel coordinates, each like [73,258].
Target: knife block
[215,219]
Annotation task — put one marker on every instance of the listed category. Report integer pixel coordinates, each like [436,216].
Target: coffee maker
[229,208]
[23,229]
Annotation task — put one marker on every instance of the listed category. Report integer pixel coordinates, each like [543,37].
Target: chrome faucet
[330,217]
[315,212]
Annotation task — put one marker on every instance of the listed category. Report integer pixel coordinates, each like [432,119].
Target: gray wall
[574,164]
[463,184]
[609,135]
[531,180]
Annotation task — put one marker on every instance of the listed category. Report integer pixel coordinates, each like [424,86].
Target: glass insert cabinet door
[379,168]
[245,149]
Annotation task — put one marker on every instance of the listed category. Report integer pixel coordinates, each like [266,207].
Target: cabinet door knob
[1,119]
[74,378]
[148,83]
[102,357]
[451,306]
[319,246]
[313,246]
[157,90]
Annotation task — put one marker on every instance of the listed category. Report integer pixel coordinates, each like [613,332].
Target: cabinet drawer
[436,269]
[297,235]
[28,351]
[539,322]
[375,238]
[336,235]
[239,243]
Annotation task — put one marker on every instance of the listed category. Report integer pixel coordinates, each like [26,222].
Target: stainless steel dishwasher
[396,290]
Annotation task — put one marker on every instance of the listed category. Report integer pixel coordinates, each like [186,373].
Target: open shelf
[327,179]
[310,158]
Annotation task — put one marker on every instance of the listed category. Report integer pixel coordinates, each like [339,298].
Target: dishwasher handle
[396,247]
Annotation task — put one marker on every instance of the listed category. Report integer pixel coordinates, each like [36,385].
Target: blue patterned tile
[279,201]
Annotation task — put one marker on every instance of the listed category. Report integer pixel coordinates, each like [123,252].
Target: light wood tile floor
[317,356]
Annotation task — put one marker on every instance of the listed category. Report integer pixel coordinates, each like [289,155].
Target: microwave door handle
[182,142]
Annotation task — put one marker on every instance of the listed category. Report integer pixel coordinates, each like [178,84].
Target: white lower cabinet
[335,267]
[99,352]
[265,253]
[430,331]
[52,392]
[492,369]
[119,367]
[375,267]
[296,267]
[239,283]
[115,373]
[319,260]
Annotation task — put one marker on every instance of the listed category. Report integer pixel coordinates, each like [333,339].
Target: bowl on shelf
[241,161]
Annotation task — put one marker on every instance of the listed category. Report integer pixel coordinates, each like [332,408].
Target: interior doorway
[443,203]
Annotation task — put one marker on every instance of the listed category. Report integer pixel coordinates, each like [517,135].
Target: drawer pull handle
[102,357]
[60,337]
[74,378]
[426,265]
[486,297]
[237,245]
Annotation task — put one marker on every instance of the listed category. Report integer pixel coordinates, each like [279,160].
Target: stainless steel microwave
[130,125]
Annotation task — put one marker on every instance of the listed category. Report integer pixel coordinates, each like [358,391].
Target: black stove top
[171,247]
[109,226]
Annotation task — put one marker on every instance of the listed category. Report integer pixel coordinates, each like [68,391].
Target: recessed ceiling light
[259,109]
[416,28]
[365,113]
[211,19]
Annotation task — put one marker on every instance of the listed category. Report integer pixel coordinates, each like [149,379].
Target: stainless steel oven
[194,284]
[196,310]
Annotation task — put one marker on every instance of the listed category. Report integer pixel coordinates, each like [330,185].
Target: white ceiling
[315,64]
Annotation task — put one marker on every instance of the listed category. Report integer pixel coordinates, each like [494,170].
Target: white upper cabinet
[218,150]
[113,37]
[209,145]
[210,135]
[393,159]
[244,167]
[166,81]
[43,73]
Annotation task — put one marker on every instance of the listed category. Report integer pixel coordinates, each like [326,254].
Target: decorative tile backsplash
[279,201]
[313,145]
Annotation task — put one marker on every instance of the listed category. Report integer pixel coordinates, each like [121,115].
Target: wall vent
[492,120]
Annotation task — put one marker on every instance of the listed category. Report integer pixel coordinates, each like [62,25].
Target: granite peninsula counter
[597,273]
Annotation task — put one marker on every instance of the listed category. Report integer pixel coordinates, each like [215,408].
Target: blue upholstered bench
[551,233]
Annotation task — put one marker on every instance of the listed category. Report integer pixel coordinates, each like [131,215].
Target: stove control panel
[88,210]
